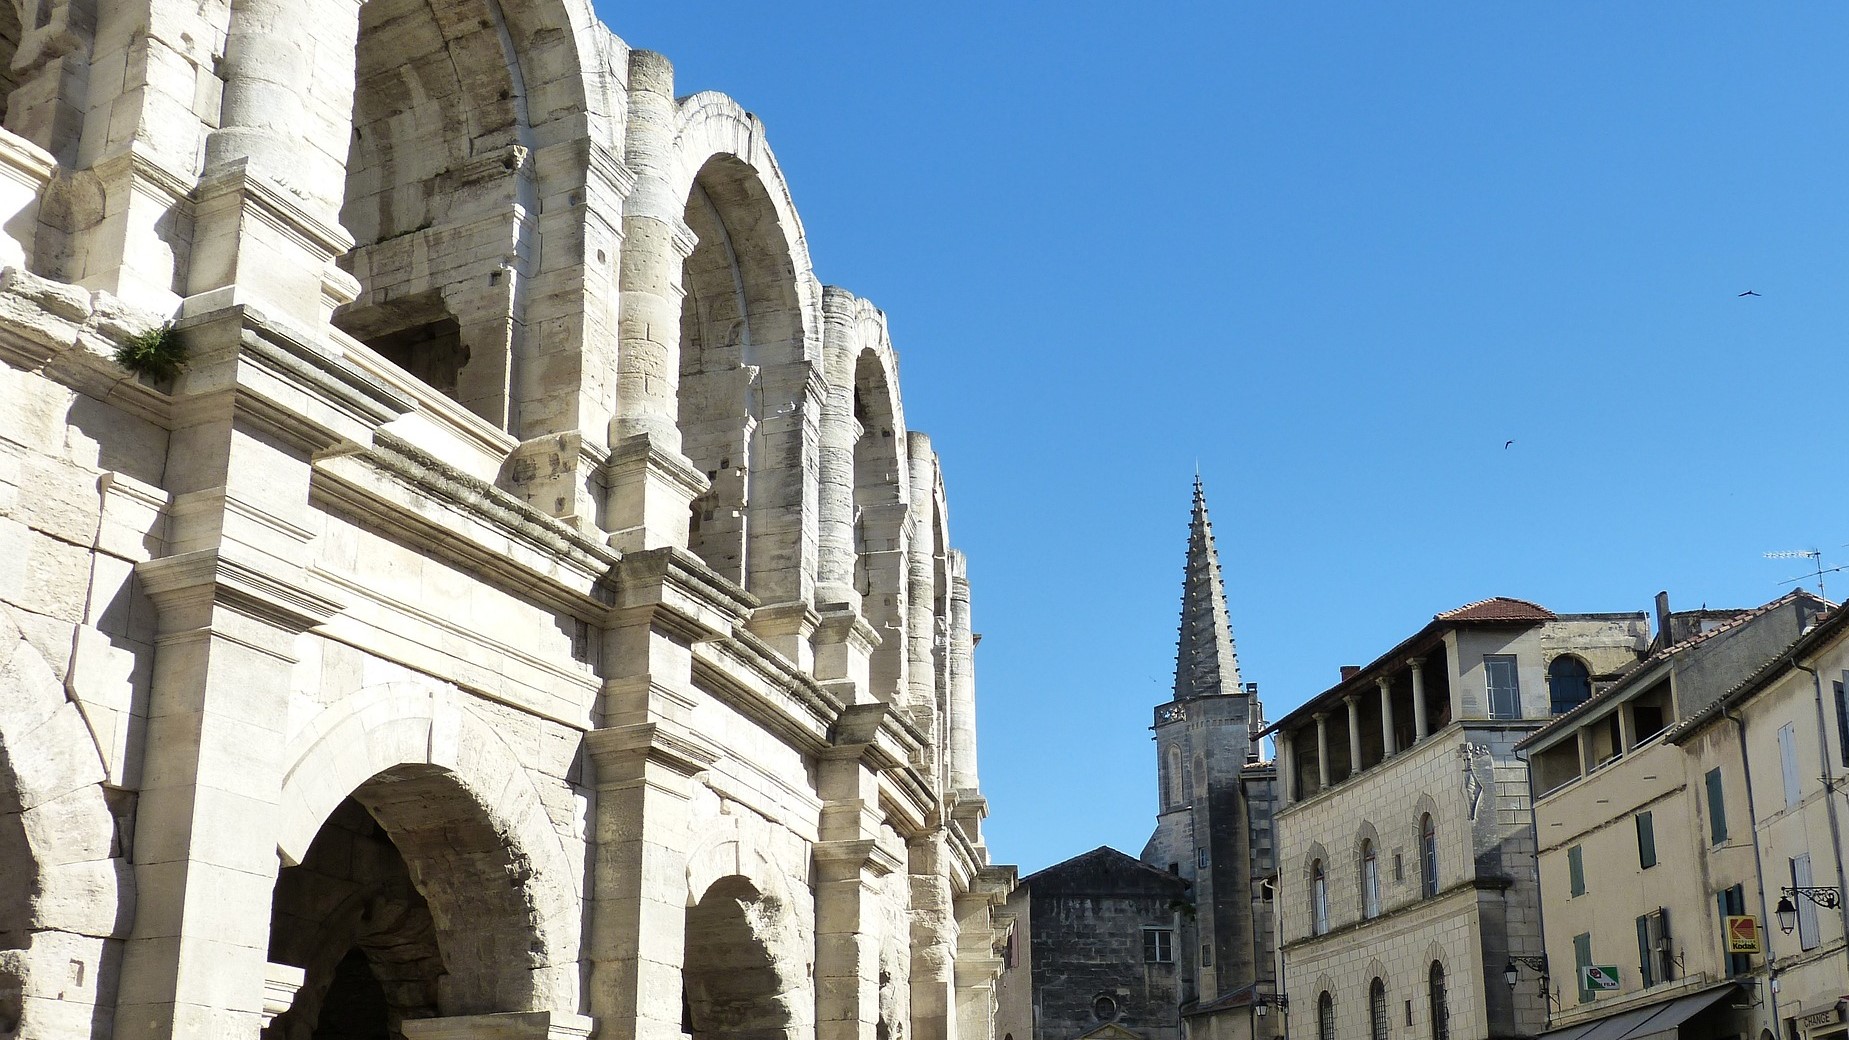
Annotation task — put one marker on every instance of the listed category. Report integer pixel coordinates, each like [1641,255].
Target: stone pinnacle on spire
[1206,662]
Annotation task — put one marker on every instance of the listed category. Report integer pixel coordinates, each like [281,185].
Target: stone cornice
[208,577]
[858,854]
[622,748]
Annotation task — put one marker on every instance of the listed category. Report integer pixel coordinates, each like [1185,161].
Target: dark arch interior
[10,33]
[409,903]
[879,549]
[16,895]
[433,214]
[731,986]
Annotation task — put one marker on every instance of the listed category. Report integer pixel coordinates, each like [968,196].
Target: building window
[1576,872]
[1646,840]
[1325,1017]
[1206,955]
[1104,1007]
[1159,945]
[1733,904]
[1200,857]
[1399,867]
[1319,899]
[1788,762]
[1377,1010]
[1717,809]
[1370,880]
[1842,723]
[1441,1010]
[1807,910]
[1582,959]
[1569,684]
[1171,779]
[1505,695]
[1654,959]
[1428,856]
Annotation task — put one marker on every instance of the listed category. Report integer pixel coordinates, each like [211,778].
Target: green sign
[1598,976]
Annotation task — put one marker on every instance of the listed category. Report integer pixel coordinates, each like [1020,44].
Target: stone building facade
[1406,880]
[1652,833]
[1094,952]
[528,613]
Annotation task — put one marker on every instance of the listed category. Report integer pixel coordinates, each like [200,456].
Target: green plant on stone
[156,353]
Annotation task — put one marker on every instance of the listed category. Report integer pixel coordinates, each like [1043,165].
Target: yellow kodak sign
[1742,934]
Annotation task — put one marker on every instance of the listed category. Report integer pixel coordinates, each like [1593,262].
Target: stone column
[266,222]
[977,964]
[921,597]
[645,775]
[887,527]
[651,486]
[1287,769]
[1386,716]
[849,862]
[646,761]
[1419,723]
[231,604]
[1322,750]
[962,726]
[840,431]
[934,940]
[1354,733]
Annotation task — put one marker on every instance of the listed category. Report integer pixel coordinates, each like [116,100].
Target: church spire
[1205,660]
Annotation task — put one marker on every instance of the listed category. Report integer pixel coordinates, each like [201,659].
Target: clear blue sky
[1338,255]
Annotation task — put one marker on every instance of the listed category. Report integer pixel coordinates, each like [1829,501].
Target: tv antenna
[1815,555]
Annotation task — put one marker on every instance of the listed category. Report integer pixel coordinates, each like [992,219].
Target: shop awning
[1650,1022]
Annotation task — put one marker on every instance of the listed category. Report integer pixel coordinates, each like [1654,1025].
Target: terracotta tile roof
[1499,608]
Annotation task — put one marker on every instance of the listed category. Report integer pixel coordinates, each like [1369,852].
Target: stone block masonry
[527,614]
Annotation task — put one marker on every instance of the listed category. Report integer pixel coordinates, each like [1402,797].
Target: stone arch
[750,354]
[69,899]
[1366,848]
[463,812]
[750,945]
[883,525]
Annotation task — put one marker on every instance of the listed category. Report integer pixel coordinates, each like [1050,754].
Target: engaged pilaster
[850,860]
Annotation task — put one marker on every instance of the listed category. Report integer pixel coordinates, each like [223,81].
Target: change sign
[1742,934]
[1599,976]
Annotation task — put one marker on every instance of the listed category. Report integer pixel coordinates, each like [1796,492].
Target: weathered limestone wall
[526,613]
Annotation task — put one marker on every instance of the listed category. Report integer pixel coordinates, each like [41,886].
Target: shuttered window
[1732,904]
[1576,871]
[1505,695]
[1646,840]
[1842,723]
[1717,809]
[1582,957]
[1653,953]
[1807,910]
[1788,763]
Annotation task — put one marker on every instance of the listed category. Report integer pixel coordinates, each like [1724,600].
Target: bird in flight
[1506,445]
[1749,292]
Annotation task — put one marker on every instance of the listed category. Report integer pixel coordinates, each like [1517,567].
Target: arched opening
[1440,1006]
[740,375]
[1325,1016]
[1428,856]
[409,903]
[1319,898]
[1172,780]
[436,178]
[879,522]
[736,982]
[1370,879]
[1377,1010]
[1569,683]
[16,895]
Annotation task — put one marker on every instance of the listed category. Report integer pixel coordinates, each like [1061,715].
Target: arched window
[1428,856]
[1370,879]
[1441,1013]
[1325,1017]
[1377,1010]
[1319,899]
[1569,683]
[1171,778]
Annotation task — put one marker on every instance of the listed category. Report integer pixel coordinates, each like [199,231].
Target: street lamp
[1512,974]
[1787,909]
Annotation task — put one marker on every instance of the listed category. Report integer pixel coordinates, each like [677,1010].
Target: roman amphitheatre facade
[527,612]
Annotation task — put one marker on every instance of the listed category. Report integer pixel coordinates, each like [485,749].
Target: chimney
[1662,620]
[1349,671]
